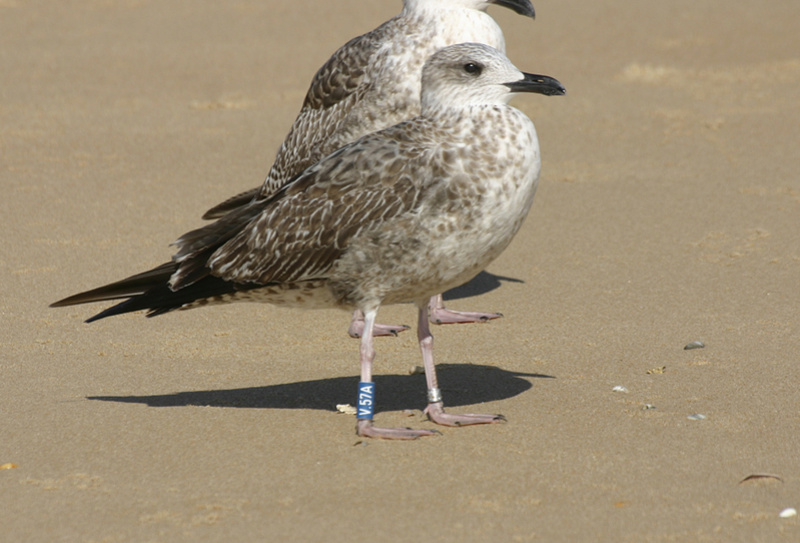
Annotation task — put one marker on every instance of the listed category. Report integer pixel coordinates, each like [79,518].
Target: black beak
[523,7]
[540,84]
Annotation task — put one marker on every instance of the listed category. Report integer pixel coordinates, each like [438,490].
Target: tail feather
[150,291]
[184,280]
[130,286]
[161,299]
[235,202]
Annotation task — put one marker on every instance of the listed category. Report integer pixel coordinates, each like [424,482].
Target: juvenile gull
[396,216]
[371,83]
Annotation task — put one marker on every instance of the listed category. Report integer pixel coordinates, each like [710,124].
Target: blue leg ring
[366,400]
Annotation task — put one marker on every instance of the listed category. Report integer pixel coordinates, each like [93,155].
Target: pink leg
[364,426]
[439,314]
[356,329]
[435,409]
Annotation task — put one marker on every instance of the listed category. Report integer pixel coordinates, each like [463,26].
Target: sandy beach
[668,212]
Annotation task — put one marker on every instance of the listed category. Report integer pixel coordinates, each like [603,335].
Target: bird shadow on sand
[481,284]
[461,384]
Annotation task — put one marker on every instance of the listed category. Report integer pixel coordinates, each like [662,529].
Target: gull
[393,217]
[371,83]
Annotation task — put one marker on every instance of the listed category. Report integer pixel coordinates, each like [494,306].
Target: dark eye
[472,68]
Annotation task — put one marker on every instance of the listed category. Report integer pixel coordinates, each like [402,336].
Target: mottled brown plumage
[395,216]
[371,83]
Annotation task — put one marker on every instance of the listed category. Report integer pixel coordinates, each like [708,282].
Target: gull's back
[371,83]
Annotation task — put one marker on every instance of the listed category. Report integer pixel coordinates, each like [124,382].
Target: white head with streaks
[474,74]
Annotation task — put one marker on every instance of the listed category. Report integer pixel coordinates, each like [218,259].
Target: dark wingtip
[232,203]
[127,306]
[76,299]
[126,288]
[101,315]
[81,299]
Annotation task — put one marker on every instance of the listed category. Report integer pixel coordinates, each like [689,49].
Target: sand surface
[668,212]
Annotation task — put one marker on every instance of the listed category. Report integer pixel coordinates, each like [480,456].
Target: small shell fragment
[789,512]
[619,388]
[696,416]
[694,345]
[761,477]
[415,370]
[648,406]
[653,371]
[346,408]
[8,465]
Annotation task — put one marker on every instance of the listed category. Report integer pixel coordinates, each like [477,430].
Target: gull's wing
[335,89]
[299,232]
[294,235]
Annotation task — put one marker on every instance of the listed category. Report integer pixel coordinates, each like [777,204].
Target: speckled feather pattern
[396,216]
[371,83]
[374,222]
